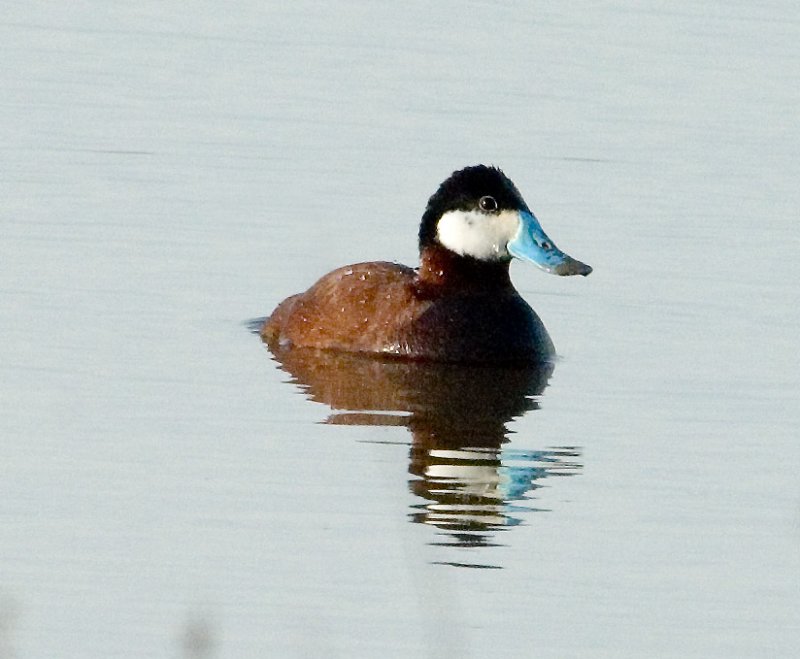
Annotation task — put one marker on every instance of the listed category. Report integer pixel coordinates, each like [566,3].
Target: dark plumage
[462,191]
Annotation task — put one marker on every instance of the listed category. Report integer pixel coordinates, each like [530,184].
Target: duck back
[385,308]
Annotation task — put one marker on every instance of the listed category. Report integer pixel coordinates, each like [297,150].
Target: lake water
[170,171]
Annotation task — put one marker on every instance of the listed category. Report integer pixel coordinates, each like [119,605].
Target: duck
[459,305]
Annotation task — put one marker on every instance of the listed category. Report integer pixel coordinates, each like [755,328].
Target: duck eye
[488,204]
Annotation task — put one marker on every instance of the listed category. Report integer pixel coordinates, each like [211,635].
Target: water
[168,489]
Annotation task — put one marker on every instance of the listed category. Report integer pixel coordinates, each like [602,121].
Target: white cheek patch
[483,236]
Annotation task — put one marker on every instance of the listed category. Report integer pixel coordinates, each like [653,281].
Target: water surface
[169,489]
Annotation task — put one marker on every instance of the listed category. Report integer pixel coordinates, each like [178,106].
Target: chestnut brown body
[452,308]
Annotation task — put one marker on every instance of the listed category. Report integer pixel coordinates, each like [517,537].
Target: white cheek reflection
[480,235]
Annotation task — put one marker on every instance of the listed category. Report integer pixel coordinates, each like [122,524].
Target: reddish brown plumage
[451,309]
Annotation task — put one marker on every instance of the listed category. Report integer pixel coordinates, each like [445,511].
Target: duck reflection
[470,485]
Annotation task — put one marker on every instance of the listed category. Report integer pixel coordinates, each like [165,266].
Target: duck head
[479,213]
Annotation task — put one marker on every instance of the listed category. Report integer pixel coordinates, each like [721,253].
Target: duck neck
[443,269]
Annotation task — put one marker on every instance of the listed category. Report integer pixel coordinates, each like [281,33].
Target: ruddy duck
[458,306]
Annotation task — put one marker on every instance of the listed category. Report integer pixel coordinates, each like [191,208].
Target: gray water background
[169,170]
